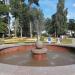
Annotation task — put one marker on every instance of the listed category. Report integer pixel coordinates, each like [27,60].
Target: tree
[30,3]
[3,17]
[37,19]
[14,4]
[41,21]
[71,25]
[48,26]
[59,19]
[33,1]
[16,10]
[3,9]
[3,27]
[21,13]
[24,20]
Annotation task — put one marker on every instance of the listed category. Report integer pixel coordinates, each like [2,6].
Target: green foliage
[3,8]
[3,21]
[48,26]
[44,34]
[14,4]
[25,14]
[3,27]
[59,19]
[71,25]
[20,11]
[42,38]
[37,18]
[33,1]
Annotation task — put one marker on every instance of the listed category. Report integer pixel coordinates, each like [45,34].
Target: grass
[32,40]
[19,40]
[1,41]
[66,41]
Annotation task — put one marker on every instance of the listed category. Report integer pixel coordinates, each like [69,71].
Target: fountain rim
[18,45]
[32,70]
[6,69]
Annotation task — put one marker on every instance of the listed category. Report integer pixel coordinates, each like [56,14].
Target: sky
[49,7]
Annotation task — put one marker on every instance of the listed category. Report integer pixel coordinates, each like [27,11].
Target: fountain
[29,60]
[39,53]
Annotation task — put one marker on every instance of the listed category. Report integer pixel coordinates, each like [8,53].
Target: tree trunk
[16,25]
[21,32]
[9,24]
[71,33]
[30,29]
[9,29]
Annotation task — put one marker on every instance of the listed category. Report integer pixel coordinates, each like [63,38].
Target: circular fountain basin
[19,53]
[22,56]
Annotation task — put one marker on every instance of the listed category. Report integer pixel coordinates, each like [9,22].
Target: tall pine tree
[59,19]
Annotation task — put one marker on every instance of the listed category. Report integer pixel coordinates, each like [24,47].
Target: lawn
[32,40]
[66,41]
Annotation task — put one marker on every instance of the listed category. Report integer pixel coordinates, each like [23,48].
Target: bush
[44,34]
[42,38]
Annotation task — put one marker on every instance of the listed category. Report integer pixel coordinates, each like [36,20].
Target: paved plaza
[26,70]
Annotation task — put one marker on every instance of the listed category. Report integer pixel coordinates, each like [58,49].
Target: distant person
[58,40]
[49,40]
